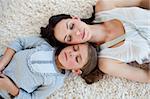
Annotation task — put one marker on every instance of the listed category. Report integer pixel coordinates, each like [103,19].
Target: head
[66,29]
[80,58]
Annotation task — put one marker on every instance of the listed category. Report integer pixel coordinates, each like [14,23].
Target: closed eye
[78,59]
[71,26]
[76,48]
[69,38]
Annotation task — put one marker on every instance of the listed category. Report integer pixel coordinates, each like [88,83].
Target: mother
[122,33]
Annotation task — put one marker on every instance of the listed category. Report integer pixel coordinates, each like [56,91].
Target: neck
[98,32]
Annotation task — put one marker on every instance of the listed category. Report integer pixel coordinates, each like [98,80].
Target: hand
[5,82]
[8,85]
[4,61]
[1,66]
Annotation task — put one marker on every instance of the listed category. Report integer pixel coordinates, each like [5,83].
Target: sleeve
[27,43]
[42,92]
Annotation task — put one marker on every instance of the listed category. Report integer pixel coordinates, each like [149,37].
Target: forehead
[83,50]
[60,29]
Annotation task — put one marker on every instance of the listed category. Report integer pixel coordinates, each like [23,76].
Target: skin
[76,59]
[108,66]
[102,33]
[73,57]
[5,82]
[103,5]
[74,31]
[118,68]
[123,70]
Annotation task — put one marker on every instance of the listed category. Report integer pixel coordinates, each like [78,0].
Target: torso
[136,46]
[114,30]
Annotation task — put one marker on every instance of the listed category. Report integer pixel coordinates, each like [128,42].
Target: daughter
[32,69]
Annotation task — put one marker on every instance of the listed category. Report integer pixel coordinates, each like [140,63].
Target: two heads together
[63,30]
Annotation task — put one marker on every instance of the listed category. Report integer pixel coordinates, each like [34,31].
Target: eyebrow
[65,37]
[67,24]
[67,28]
[80,55]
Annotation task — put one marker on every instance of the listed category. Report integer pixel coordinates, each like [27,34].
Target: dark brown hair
[48,32]
[90,71]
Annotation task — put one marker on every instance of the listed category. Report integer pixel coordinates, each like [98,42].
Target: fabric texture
[137,35]
[33,82]
[21,18]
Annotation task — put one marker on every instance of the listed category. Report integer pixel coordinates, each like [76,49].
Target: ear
[75,17]
[77,72]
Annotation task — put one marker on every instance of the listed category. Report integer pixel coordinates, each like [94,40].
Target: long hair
[48,32]
[90,71]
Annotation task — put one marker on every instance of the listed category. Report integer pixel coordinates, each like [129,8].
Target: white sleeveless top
[136,22]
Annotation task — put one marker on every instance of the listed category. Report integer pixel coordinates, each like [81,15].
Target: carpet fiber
[20,18]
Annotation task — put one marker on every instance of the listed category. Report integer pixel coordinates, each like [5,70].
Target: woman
[129,42]
[32,69]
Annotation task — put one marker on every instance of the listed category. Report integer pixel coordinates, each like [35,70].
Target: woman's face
[74,57]
[72,31]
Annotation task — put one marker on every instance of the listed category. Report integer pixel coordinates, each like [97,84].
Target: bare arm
[8,85]
[102,5]
[6,58]
[119,69]
[18,45]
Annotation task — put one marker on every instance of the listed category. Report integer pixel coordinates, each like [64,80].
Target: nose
[78,33]
[73,53]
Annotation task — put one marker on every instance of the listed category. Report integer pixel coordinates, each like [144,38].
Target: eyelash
[77,56]
[70,38]
[72,26]
[75,49]
[77,59]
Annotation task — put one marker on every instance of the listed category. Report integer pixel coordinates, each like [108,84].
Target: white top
[136,22]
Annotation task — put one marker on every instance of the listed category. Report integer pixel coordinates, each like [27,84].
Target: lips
[65,55]
[83,34]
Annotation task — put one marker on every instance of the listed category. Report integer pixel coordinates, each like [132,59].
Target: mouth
[65,55]
[83,34]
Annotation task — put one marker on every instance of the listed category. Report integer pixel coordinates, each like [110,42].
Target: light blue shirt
[33,69]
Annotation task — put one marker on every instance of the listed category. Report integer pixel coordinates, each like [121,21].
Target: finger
[2,75]
[2,72]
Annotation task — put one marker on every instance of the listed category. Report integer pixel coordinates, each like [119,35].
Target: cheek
[71,63]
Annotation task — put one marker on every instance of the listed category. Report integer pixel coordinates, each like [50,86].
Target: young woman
[32,69]
[122,33]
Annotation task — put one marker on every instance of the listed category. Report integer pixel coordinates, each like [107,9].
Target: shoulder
[53,79]
[102,5]
[107,65]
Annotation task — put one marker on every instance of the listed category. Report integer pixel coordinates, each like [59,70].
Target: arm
[26,43]
[20,44]
[119,69]
[8,85]
[103,5]
[42,92]
[6,58]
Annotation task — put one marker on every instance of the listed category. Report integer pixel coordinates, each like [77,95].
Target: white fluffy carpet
[25,17]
